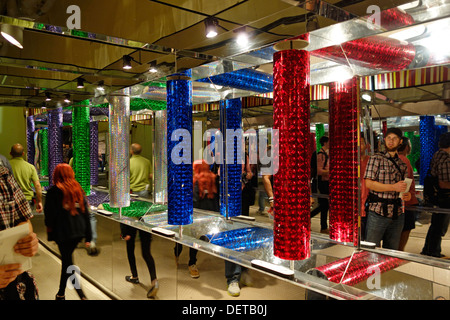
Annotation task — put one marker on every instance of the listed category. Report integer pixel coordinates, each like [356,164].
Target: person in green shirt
[26,174]
[140,169]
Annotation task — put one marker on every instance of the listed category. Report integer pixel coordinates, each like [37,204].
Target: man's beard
[391,149]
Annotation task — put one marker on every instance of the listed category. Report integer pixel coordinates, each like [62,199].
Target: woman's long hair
[64,179]
[205,178]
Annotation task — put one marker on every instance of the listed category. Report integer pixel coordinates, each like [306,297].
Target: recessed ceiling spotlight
[13,34]
[211,24]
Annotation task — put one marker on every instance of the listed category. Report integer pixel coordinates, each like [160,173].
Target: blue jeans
[262,200]
[438,228]
[233,271]
[142,193]
[93,219]
[388,230]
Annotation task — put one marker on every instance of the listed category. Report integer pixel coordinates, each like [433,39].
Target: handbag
[22,288]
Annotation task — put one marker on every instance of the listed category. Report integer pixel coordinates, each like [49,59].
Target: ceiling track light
[126,61]
[48,96]
[152,67]
[211,25]
[67,98]
[101,84]
[13,34]
[80,83]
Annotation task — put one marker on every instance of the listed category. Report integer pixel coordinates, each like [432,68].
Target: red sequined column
[343,134]
[352,270]
[291,117]
[375,52]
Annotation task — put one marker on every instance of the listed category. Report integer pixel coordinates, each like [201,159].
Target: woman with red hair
[205,197]
[205,188]
[67,220]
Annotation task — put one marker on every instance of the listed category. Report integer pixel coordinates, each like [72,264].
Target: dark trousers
[192,253]
[66,248]
[146,239]
[323,205]
[438,228]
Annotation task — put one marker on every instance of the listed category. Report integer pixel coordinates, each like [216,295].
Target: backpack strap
[397,167]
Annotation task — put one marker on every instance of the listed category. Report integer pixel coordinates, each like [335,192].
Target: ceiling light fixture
[153,67]
[80,83]
[366,96]
[211,25]
[48,96]
[242,37]
[67,98]
[126,62]
[13,34]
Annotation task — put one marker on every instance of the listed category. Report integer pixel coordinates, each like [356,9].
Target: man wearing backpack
[384,177]
[440,168]
[323,173]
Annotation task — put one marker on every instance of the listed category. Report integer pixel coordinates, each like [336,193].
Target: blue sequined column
[245,79]
[179,155]
[230,177]
[30,140]
[93,130]
[427,144]
[55,149]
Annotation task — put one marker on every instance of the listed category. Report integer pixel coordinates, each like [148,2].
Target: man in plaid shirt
[384,177]
[440,168]
[14,210]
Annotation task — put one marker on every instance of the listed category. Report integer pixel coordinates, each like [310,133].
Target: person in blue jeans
[384,178]
[440,168]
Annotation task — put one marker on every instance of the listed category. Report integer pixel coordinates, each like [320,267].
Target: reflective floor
[110,267]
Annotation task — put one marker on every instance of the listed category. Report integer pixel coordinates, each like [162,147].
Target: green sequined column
[43,138]
[415,148]
[81,150]
[320,131]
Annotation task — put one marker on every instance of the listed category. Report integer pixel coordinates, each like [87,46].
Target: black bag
[430,190]
[22,288]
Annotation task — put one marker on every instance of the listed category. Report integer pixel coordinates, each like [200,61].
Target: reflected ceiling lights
[13,34]
[242,37]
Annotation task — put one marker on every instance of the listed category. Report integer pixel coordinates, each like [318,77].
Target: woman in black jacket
[67,219]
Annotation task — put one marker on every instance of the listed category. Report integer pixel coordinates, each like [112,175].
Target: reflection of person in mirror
[410,216]
[13,213]
[440,168]
[384,177]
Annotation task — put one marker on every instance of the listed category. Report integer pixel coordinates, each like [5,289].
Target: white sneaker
[233,289]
